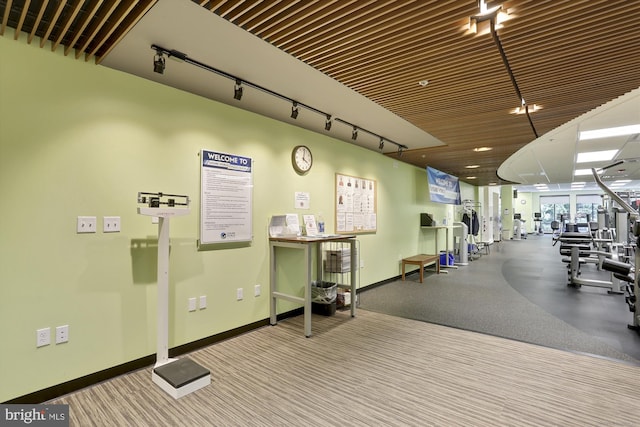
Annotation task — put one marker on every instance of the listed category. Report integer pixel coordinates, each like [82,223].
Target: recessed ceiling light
[478,149]
[423,83]
[608,132]
[472,166]
[596,156]
[581,172]
[493,183]
[471,177]
[523,109]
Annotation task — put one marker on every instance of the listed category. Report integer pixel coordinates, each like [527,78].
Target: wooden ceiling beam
[82,25]
[25,9]
[52,23]
[75,9]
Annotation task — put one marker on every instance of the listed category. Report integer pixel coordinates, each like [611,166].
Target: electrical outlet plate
[192,304]
[239,294]
[203,302]
[257,290]
[43,337]
[62,334]
[111,224]
[86,224]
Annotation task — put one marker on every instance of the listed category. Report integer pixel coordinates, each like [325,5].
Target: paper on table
[277,225]
[293,224]
[310,225]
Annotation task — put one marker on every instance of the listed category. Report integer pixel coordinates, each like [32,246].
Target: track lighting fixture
[237,90]
[400,150]
[158,63]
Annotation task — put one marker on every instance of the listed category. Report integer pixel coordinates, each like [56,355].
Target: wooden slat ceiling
[89,28]
[568,56]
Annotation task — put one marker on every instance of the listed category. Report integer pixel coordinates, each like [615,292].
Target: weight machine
[579,249]
[625,271]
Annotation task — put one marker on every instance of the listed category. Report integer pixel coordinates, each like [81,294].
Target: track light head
[400,150]
[158,63]
[237,90]
[294,110]
[354,133]
[381,145]
[327,123]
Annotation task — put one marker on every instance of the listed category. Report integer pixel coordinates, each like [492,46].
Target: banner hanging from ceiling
[443,188]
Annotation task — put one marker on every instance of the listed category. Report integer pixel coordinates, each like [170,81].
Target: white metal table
[307,244]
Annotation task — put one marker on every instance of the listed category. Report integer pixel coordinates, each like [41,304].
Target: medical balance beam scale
[177,377]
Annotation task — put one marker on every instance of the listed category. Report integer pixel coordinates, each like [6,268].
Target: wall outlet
[192,304]
[361,263]
[203,302]
[239,293]
[62,334]
[86,224]
[111,224]
[257,290]
[43,337]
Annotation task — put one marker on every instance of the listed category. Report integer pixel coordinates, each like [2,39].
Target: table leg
[355,266]
[272,286]
[307,293]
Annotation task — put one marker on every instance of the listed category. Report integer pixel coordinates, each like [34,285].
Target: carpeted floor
[519,292]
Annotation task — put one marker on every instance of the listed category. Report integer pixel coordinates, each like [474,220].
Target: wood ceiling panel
[569,56]
[91,27]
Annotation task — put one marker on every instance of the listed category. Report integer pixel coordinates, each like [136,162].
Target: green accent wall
[81,139]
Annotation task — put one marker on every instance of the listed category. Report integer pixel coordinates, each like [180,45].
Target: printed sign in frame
[356,205]
[226,196]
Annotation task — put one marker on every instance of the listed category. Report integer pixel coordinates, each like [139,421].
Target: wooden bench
[422,260]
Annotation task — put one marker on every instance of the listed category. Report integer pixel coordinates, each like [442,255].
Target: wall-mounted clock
[301,159]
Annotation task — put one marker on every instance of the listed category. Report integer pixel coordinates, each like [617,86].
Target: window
[587,207]
[553,208]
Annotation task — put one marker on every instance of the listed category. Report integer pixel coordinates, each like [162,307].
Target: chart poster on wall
[356,205]
[226,191]
[443,188]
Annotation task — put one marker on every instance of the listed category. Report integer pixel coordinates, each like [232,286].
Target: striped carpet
[374,370]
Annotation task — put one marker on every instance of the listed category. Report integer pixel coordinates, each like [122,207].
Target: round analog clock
[301,159]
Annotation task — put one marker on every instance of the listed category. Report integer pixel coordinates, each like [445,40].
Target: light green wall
[80,139]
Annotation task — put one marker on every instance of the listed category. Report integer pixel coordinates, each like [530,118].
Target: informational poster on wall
[356,205]
[226,192]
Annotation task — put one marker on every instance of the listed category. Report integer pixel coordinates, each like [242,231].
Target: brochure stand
[177,377]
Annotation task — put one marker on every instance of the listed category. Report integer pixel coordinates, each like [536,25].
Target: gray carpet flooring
[519,291]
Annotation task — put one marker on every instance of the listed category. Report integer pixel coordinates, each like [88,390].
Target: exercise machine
[537,220]
[577,250]
[519,229]
[631,286]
